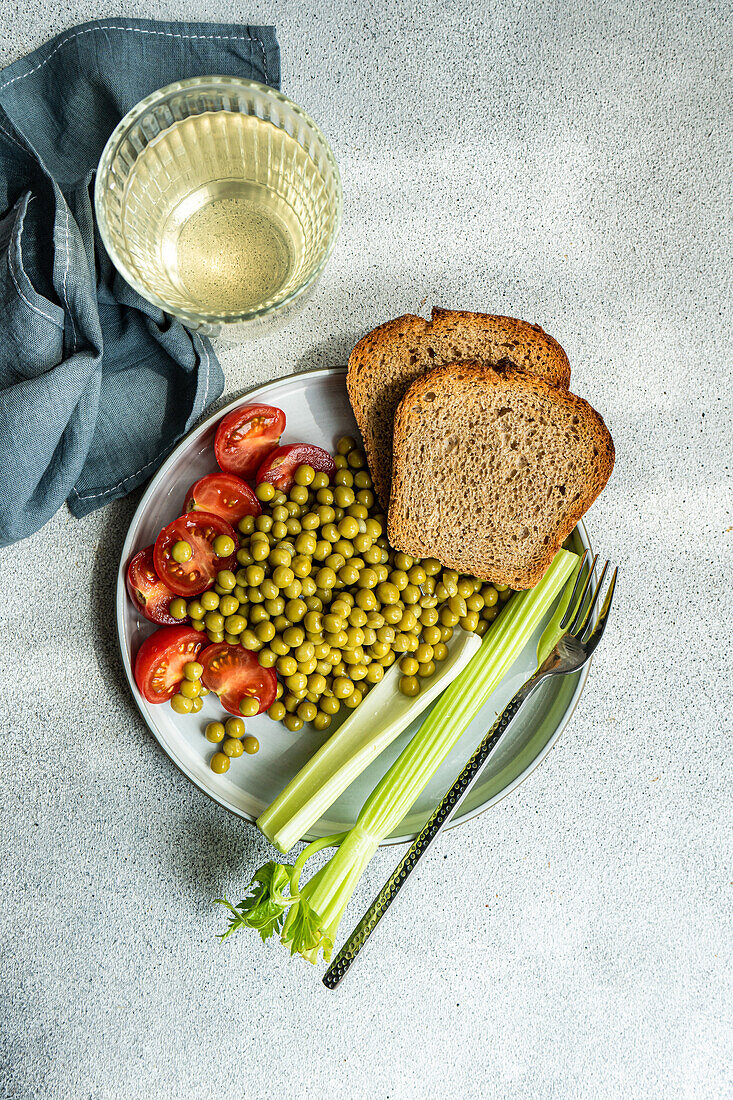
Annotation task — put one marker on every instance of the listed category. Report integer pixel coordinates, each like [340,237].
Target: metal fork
[583,631]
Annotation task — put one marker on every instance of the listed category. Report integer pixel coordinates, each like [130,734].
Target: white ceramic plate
[318,411]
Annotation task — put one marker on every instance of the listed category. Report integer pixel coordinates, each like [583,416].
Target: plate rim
[121,598]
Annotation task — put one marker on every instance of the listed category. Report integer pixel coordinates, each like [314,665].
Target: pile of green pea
[322,597]
[234,740]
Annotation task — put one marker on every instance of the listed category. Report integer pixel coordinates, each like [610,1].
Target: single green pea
[226,580]
[294,636]
[228,605]
[469,621]
[232,747]
[279,556]
[305,543]
[330,704]
[387,593]
[255,575]
[215,732]
[409,685]
[235,624]
[429,616]
[282,576]
[209,600]
[411,594]
[265,631]
[264,523]
[345,444]
[296,681]
[251,745]
[267,657]
[325,578]
[180,704]
[299,494]
[343,494]
[234,727]
[214,621]
[219,763]
[287,666]
[249,706]
[356,459]
[178,608]
[295,610]
[343,479]
[490,595]
[190,689]
[277,711]
[246,525]
[195,609]
[343,687]
[181,551]
[348,527]
[223,546]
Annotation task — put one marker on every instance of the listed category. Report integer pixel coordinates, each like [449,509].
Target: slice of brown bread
[388,359]
[492,470]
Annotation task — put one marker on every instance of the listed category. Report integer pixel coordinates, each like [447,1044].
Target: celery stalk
[315,910]
[552,633]
[368,730]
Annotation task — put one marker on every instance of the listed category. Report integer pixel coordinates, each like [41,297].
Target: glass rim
[115,140]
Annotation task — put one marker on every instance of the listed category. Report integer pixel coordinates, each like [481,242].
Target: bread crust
[374,396]
[453,379]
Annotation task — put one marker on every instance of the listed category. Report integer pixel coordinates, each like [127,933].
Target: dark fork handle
[424,839]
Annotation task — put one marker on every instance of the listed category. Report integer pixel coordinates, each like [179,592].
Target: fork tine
[600,624]
[581,600]
[595,599]
[571,602]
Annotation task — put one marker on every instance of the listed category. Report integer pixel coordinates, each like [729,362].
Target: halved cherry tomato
[198,529]
[280,466]
[234,674]
[224,495]
[244,437]
[147,591]
[160,660]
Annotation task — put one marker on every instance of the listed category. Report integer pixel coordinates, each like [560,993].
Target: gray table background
[564,162]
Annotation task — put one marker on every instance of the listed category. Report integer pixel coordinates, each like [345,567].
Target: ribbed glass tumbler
[219,200]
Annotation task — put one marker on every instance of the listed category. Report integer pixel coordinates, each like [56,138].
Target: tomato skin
[280,466]
[224,495]
[199,529]
[150,595]
[246,436]
[160,660]
[234,673]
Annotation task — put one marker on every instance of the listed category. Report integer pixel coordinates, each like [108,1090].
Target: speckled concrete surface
[567,163]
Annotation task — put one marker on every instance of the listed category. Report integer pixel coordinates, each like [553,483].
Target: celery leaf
[264,907]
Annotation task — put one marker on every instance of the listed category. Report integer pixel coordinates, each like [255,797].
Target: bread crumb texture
[493,470]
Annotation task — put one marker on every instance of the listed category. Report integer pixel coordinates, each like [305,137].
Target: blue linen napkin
[96,384]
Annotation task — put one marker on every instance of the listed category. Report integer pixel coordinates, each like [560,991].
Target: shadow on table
[116,519]
[212,854]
